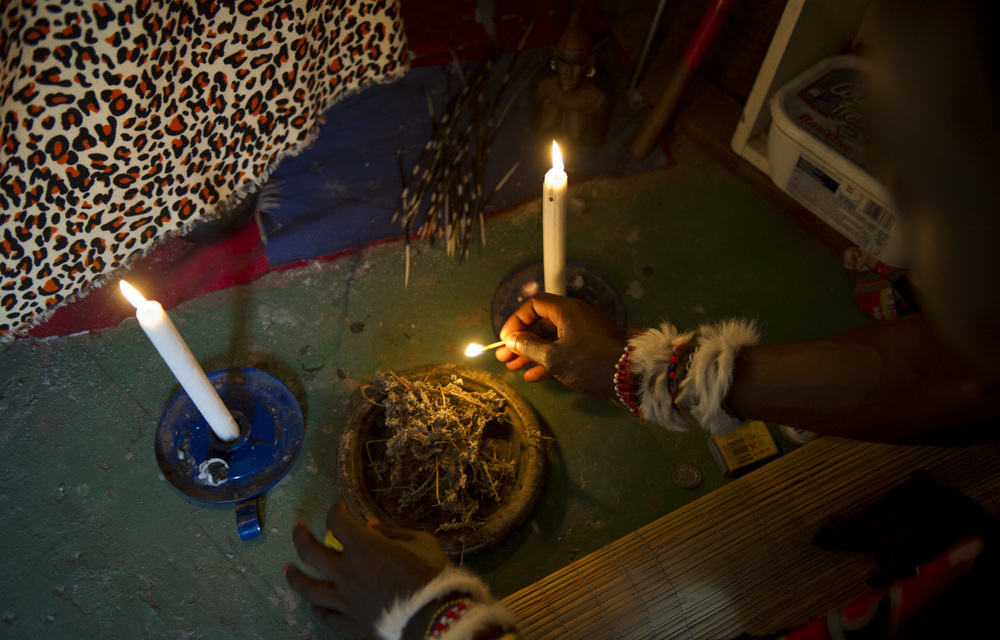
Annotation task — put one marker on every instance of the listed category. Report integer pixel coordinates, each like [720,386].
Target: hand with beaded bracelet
[668,376]
[868,383]
[416,592]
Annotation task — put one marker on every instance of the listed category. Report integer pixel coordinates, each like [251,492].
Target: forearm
[888,381]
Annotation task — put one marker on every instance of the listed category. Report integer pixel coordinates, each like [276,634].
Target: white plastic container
[817,154]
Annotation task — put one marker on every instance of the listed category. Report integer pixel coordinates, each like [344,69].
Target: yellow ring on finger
[330,542]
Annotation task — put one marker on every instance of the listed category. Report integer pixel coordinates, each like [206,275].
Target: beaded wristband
[680,365]
[624,386]
[672,369]
[449,613]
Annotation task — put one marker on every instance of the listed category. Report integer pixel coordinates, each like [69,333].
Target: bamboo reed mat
[741,559]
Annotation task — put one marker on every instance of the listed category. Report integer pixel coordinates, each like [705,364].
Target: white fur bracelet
[703,379]
[479,617]
[394,619]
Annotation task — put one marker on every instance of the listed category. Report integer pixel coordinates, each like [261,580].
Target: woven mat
[740,559]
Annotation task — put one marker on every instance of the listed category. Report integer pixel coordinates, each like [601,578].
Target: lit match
[474,349]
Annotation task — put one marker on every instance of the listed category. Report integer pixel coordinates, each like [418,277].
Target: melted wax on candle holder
[200,465]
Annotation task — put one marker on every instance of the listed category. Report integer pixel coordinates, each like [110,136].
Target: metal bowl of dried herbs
[444,448]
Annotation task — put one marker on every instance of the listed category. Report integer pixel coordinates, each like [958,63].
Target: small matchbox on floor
[748,446]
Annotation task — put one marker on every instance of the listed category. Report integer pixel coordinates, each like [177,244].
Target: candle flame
[132,294]
[557,161]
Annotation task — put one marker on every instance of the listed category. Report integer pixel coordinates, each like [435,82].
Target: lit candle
[474,349]
[174,351]
[554,225]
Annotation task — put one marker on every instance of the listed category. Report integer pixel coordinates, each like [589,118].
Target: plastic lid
[830,108]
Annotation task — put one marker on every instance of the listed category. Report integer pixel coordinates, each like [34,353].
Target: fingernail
[510,342]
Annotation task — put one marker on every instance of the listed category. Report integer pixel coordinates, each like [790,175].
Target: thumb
[530,345]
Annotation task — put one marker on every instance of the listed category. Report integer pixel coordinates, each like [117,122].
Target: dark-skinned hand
[566,338]
[379,563]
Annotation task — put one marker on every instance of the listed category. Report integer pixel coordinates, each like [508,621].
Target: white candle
[174,351]
[554,225]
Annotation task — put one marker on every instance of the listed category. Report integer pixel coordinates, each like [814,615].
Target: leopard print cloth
[123,123]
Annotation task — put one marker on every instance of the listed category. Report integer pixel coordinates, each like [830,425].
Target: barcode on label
[739,450]
[879,215]
[744,447]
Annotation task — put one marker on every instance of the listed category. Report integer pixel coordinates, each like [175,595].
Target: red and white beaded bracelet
[446,617]
[624,385]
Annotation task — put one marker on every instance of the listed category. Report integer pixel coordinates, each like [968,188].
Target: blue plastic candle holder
[200,465]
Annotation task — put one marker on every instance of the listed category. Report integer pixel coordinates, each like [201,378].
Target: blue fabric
[341,193]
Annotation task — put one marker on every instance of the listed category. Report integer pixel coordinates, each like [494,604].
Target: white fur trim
[705,387]
[393,621]
[650,361]
[479,617]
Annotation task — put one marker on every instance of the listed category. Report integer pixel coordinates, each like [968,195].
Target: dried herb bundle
[436,462]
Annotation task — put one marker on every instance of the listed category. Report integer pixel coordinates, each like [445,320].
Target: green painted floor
[97,543]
